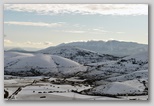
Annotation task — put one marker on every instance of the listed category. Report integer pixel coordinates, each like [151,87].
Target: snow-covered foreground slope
[46,90]
[79,55]
[37,64]
[131,87]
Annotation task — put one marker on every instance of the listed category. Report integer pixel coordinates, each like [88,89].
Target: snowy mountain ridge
[82,56]
[112,47]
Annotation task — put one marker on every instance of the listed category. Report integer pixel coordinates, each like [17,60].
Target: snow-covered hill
[142,56]
[112,47]
[79,55]
[135,75]
[125,88]
[26,64]
[126,65]
[127,76]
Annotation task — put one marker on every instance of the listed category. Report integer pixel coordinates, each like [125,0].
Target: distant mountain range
[112,47]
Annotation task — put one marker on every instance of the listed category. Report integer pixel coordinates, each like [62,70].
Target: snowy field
[32,88]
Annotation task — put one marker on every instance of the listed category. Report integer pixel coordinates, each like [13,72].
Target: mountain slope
[112,47]
[39,64]
[126,65]
[135,75]
[131,87]
[79,55]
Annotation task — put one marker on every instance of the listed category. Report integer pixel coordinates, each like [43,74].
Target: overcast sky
[44,25]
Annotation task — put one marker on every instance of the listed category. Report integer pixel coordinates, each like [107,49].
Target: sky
[44,25]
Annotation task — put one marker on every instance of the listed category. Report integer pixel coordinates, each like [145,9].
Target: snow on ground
[6,77]
[17,82]
[34,77]
[10,82]
[79,55]
[63,96]
[142,56]
[63,62]
[121,77]
[114,88]
[67,49]
[102,63]
[75,79]
[46,87]
[46,97]
[85,97]
[113,47]
[64,93]
[36,63]
[129,68]
[144,97]
[48,91]
[8,55]
[135,75]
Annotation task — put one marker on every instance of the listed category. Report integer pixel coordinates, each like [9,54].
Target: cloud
[89,40]
[27,44]
[7,41]
[36,44]
[120,32]
[40,24]
[33,43]
[92,31]
[75,31]
[47,43]
[103,9]
[100,30]
[79,25]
